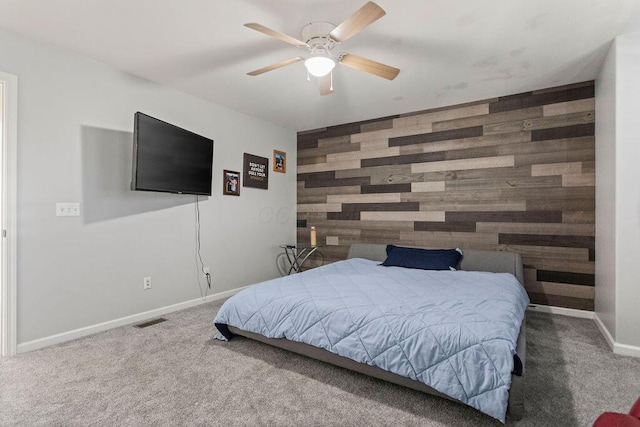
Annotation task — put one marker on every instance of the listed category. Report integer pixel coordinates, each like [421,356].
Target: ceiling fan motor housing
[316,36]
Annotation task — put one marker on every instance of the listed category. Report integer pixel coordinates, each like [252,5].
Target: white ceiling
[448,51]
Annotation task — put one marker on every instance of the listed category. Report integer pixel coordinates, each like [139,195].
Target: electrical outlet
[147,283]
[205,271]
[67,209]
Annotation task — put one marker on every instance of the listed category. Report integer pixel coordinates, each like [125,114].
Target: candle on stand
[313,236]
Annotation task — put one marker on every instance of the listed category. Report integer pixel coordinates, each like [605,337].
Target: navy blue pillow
[425,259]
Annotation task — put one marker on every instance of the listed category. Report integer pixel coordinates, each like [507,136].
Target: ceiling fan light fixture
[319,65]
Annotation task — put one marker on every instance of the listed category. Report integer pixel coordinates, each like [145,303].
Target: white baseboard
[617,348]
[583,314]
[604,331]
[135,318]
[626,350]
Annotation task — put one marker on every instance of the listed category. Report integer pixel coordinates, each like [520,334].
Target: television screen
[170,159]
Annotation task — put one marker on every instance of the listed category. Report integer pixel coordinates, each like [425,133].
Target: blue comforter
[455,331]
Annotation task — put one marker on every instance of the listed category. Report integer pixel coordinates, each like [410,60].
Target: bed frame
[473,260]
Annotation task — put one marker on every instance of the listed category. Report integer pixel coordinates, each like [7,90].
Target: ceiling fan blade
[325,84]
[274,66]
[369,66]
[268,31]
[366,15]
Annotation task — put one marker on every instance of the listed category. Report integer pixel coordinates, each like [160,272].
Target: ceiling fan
[320,38]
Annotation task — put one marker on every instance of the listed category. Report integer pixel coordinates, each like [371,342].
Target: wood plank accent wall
[514,173]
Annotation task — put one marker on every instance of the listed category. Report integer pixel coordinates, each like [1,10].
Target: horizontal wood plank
[436,136]
[386,134]
[364,154]
[512,219]
[573,266]
[548,252]
[579,217]
[427,187]
[364,198]
[402,216]
[540,123]
[569,107]
[537,228]
[479,163]
[453,145]
[487,119]
[579,180]
[468,205]
[385,188]
[556,169]
[449,239]
[503,183]
[334,166]
[573,131]
[320,207]
[442,115]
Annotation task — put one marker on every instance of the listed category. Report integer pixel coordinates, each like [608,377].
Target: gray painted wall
[605,193]
[617,197]
[627,194]
[75,123]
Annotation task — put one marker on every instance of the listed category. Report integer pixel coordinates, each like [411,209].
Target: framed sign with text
[255,171]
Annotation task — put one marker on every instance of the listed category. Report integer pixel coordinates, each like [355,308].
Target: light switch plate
[67,209]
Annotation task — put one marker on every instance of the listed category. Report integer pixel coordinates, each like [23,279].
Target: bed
[344,329]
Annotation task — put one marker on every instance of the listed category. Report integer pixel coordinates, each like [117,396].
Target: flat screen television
[170,159]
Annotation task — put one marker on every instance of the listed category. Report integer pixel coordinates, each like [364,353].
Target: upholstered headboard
[472,259]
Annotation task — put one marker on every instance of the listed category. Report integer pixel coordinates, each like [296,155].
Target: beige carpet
[174,374]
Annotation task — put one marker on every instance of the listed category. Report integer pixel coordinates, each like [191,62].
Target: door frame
[9,214]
